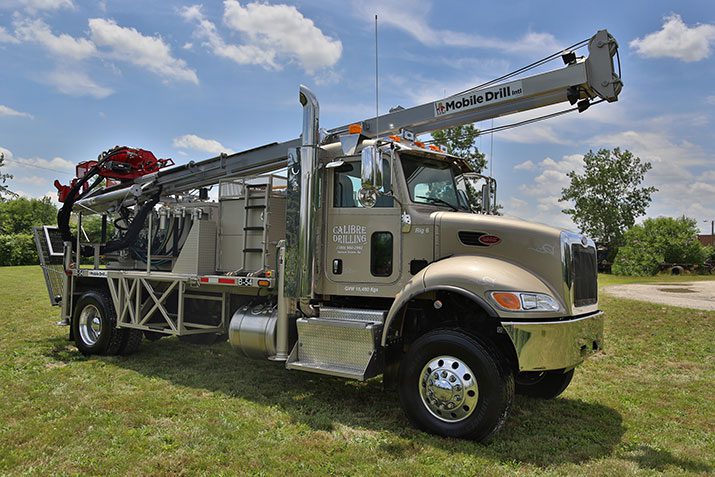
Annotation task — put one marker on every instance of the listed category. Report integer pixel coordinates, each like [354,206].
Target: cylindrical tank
[253,330]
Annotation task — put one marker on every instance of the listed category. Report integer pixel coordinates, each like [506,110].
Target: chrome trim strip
[560,322]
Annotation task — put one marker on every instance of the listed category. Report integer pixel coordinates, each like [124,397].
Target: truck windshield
[430,181]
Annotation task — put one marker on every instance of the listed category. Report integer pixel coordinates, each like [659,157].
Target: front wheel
[452,385]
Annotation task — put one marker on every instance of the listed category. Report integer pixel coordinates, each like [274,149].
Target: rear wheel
[452,385]
[544,385]
[94,325]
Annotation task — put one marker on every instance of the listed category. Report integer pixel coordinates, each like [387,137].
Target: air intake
[471,238]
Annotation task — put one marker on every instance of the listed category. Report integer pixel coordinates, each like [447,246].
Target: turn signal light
[355,129]
[509,301]
[264,283]
[525,301]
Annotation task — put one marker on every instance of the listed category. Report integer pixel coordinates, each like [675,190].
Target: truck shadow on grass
[538,432]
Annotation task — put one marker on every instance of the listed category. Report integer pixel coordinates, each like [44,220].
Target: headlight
[524,301]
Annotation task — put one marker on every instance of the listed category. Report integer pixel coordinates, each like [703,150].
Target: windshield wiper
[437,200]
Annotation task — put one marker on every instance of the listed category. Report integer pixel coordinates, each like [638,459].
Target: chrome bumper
[547,345]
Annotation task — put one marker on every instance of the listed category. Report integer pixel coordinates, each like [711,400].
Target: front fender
[473,277]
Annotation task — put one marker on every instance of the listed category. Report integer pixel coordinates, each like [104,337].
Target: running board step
[344,348]
[353,314]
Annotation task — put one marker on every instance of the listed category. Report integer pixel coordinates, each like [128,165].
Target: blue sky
[186,81]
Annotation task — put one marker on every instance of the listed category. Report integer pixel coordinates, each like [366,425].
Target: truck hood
[532,246]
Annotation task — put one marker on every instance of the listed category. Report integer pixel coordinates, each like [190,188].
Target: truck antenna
[377,89]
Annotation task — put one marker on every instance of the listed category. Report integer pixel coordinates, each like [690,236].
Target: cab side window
[347,182]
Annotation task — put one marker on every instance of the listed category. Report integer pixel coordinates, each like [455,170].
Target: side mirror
[371,174]
[486,199]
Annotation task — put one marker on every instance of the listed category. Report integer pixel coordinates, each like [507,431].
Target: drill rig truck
[353,252]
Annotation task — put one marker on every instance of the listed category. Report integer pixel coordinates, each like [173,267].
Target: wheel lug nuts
[452,379]
[444,374]
[458,387]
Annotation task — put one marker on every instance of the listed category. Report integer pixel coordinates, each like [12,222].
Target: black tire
[546,385]
[101,336]
[491,387]
[131,342]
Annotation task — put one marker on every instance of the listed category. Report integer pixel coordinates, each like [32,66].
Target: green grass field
[644,406]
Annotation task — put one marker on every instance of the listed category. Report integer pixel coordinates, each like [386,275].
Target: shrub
[656,241]
[18,216]
[18,249]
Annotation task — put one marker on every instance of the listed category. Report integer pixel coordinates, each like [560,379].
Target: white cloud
[32,180]
[272,34]
[34,6]
[411,17]
[64,45]
[677,40]
[656,147]
[6,154]
[525,166]
[76,83]
[710,100]
[552,177]
[544,192]
[5,37]
[56,163]
[8,111]
[284,30]
[241,54]
[197,143]
[148,52]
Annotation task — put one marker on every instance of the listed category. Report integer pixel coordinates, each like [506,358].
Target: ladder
[255,199]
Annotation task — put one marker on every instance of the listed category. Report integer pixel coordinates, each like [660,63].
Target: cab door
[362,245]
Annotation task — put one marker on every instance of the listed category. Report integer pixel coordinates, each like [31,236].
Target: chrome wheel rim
[448,389]
[90,324]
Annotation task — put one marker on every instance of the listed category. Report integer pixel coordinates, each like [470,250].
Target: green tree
[657,241]
[460,142]
[18,216]
[607,198]
[4,190]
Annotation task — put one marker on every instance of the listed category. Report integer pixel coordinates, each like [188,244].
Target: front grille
[585,275]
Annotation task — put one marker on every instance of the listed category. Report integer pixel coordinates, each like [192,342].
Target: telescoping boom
[581,80]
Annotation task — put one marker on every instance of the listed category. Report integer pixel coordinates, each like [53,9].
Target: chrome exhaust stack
[308,192]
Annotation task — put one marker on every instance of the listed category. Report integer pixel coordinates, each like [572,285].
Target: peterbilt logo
[489,240]
[478,99]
